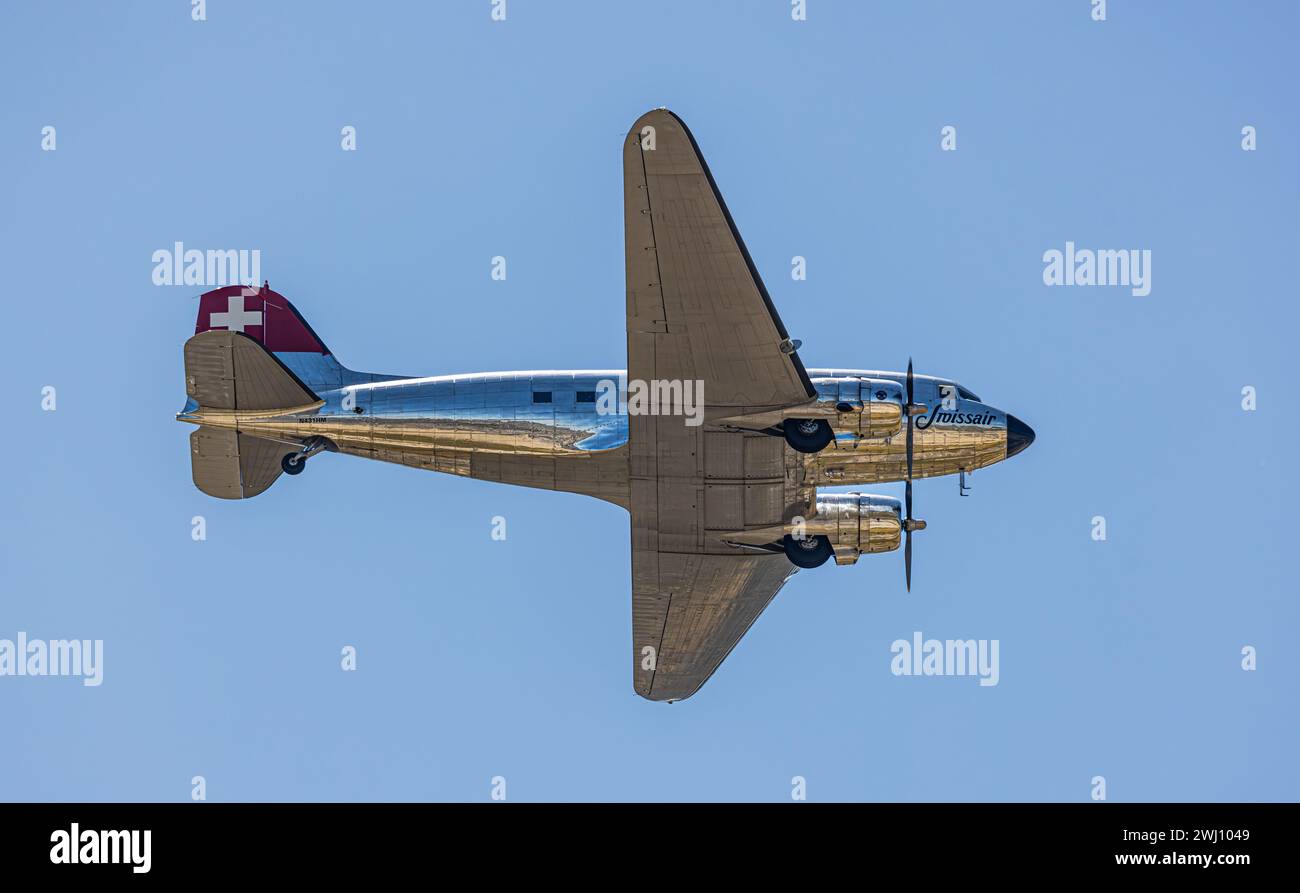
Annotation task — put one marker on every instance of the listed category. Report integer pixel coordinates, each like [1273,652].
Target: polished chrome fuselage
[543,427]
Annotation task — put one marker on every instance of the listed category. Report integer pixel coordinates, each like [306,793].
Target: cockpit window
[967,395]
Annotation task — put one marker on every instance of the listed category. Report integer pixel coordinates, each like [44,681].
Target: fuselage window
[541,396]
[586,396]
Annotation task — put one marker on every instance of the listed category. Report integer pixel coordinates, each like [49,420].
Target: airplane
[715,438]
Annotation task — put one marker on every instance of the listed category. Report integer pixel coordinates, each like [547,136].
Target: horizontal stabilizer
[231,465]
[229,370]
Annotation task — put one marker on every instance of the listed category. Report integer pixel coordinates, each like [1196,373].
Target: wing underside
[696,307]
[689,611]
[697,311]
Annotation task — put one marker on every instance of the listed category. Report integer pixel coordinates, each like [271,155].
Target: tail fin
[252,352]
[268,318]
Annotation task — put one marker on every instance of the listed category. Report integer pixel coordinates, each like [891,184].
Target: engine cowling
[857,524]
[864,407]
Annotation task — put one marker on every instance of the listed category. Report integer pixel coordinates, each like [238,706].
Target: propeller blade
[907,526]
[907,560]
[909,448]
[909,431]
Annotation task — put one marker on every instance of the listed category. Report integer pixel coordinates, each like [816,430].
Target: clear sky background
[479,658]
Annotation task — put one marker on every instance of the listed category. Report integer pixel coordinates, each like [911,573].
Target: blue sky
[479,658]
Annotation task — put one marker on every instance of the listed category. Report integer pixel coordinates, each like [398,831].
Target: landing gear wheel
[292,463]
[808,435]
[811,551]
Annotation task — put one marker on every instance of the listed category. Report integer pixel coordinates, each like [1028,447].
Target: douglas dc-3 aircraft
[715,438]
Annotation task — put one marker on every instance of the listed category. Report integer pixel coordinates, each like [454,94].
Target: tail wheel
[807,552]
[293,463]
[808,435]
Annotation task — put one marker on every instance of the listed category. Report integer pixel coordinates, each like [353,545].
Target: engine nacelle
[857,524]
[852,523]
[864,407]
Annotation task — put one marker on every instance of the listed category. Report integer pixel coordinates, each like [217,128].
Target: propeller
[909,524]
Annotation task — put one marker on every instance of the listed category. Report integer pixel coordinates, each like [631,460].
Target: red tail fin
[265,316]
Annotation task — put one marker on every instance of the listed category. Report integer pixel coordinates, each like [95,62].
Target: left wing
[696,306]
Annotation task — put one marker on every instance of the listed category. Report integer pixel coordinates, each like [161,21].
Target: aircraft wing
[689,611]
[697,311]
[696,307]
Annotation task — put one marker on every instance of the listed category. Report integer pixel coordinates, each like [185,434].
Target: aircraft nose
[1019,435]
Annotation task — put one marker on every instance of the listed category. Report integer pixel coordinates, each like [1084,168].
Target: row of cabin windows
[583,396]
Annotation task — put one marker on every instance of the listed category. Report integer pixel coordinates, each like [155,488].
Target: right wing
[689,611]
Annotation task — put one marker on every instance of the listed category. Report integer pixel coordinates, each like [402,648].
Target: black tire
[811,551]
[289,466]
[808,435]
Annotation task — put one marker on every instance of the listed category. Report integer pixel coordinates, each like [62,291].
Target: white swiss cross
[235,317]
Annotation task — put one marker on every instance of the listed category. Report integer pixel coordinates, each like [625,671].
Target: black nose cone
[1019,435]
